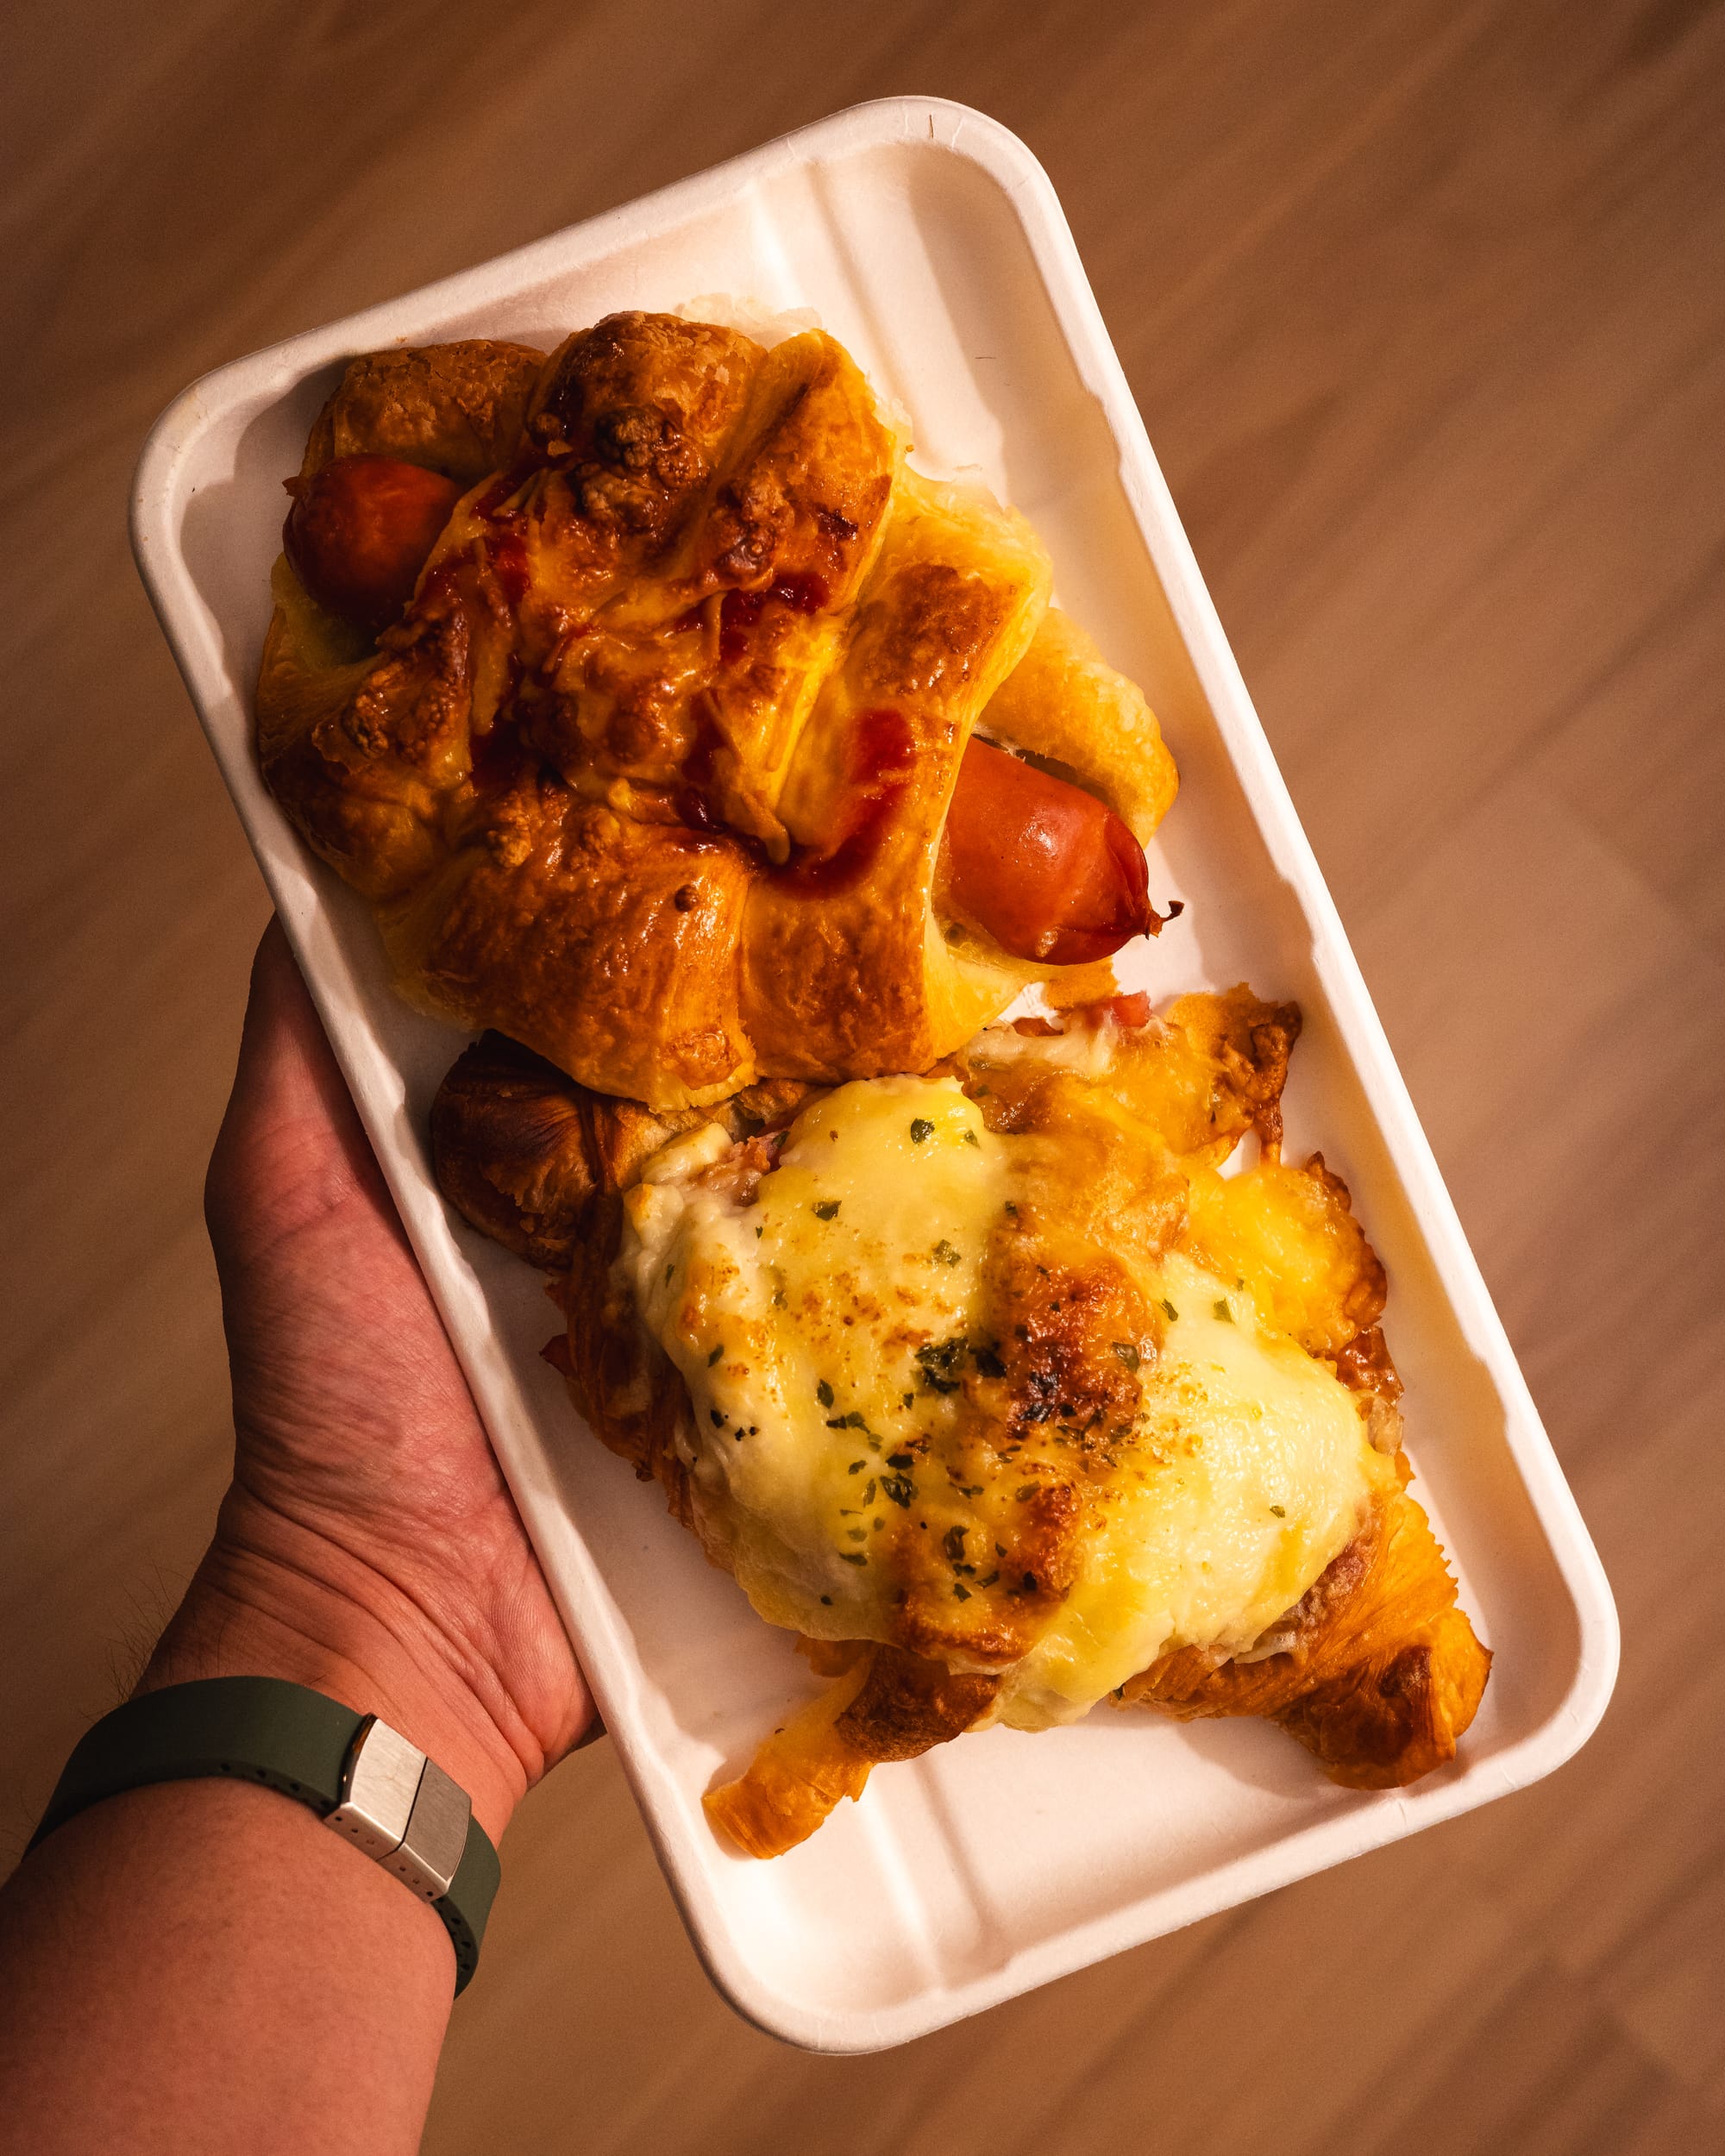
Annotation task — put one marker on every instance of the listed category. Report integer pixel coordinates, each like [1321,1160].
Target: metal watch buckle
[402,1810]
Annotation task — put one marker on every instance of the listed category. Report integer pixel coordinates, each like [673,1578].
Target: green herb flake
[669,1269]
[851,1556]
[953,1542]
[921,1128]
[938,1360]
[822,1392]
[1280,1511]
[946,1252]
[971,1139]
[909,1400]
[1170,1308]
[856,1535]
[899,1490]
[826,1210]
[759,1232]
[1126,1353]
[714,1357]
[1029,1491]
[827,1599]
[1012,1209]
[1223,1311]
[857,1466]
[718,1419]
[961,1590]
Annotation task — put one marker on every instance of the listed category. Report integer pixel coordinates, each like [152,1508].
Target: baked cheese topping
[796,1321]
[1250,1472]
[874,1457]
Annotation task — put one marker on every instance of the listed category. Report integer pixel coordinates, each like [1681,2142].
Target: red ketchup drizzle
[505,485]
[509,565]
[498,756]
[805,591]
[739,615]
[882,765]
[700,768]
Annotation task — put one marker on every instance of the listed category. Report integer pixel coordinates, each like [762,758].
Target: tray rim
[158,500]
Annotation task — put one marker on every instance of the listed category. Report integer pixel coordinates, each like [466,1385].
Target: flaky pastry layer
[652,774]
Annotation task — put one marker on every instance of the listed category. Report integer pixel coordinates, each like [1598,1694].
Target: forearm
[204,1966]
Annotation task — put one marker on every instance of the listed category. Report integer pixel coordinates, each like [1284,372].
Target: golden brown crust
[652,773]
[523,1154]
[454,408]
[888,1706]
[1382,1673]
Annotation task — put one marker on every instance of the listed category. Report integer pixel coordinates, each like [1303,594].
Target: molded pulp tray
[929,240]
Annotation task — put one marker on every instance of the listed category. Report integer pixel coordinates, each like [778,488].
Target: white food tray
[930,243]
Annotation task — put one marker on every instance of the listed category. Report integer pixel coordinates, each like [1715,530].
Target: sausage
[1046,869]
[359,531]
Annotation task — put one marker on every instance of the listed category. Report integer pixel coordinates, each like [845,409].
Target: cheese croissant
[991,1386]
[649,764]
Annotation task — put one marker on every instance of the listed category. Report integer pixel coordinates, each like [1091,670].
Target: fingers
[291,1144]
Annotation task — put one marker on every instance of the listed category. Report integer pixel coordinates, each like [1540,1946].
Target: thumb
[291,1149]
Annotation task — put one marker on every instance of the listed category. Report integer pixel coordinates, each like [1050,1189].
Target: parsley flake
[826,1210]
[921,1128]
[714,1357]
[938,1362]
[946,1252]
[1224,1312]
[1168,1308]
[1280,1511]
[823,1392]
[1126,1353]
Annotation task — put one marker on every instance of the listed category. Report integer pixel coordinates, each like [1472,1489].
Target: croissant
[661,710]
[995,1390]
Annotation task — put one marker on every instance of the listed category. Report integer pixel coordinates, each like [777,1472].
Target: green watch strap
[256,1729]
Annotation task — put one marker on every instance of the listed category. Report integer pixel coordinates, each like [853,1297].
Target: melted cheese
[1250,1471]
[795,1321]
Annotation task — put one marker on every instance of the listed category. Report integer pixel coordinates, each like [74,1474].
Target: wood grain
[1424,302]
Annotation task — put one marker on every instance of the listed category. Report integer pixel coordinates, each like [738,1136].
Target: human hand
[368,1547]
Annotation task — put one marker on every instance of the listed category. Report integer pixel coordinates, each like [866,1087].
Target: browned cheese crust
[651,774]
[1375,1670]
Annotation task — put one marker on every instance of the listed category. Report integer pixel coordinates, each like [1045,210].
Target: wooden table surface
[1424,302]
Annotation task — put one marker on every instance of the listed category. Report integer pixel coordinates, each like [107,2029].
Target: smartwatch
[363,1779]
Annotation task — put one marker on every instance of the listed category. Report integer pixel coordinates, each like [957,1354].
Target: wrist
[249,1612]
